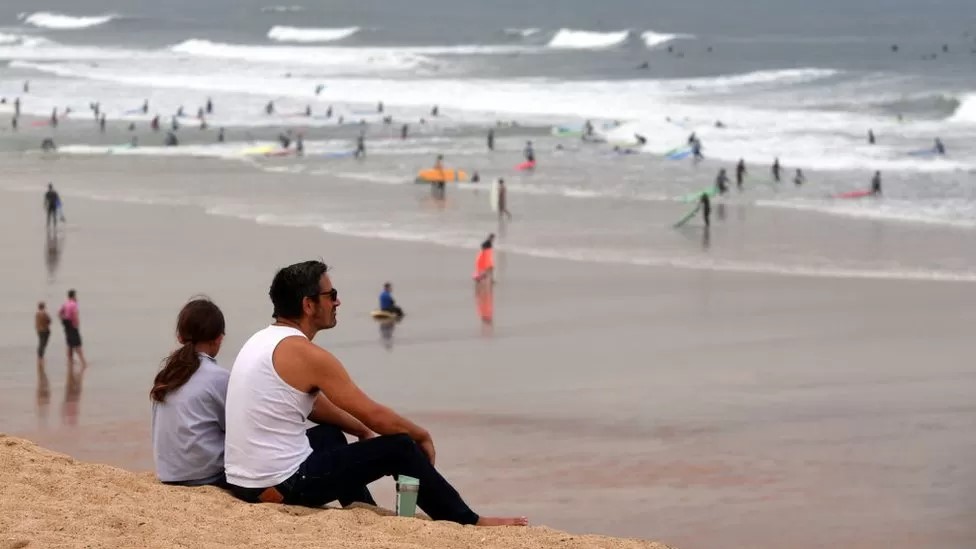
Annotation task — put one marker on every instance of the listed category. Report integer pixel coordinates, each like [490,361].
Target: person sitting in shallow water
[48,145]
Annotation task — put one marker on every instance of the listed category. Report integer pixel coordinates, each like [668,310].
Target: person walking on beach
[740,173]
[52,201]
[42,323]
[775,169]
[503,199]
[705,204]
[387,302]
[876,184]
[283,378]
[70,321]
[484,263]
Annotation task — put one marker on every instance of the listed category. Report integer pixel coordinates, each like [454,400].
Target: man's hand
[366,435]
[427,446]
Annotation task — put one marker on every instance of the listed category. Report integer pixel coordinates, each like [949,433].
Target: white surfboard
[494,195]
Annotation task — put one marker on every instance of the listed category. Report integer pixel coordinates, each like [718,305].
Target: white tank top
[266,440]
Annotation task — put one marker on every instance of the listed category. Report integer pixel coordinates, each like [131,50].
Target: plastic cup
[407,490]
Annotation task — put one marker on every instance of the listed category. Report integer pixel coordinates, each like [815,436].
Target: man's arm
[308,367]
[324,411]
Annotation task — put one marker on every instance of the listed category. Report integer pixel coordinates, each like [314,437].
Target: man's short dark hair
[71,294]
[292,284]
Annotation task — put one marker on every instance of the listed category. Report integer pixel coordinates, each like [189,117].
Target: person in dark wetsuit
[722,182]
[705,204]
[403,131]
[220,135]
[870,137]
[939,146]
[360,146]
[876,184]
[696,150]
[775,169]
[641,140]
[799,178]
[740,173]
[529,152]
[491,139]
[171,140]
[269,108]
[209,106]
[51,202]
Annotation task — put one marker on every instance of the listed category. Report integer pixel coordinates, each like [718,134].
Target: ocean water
[788,79]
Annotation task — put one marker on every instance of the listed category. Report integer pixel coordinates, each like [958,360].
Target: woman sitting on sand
[188,398]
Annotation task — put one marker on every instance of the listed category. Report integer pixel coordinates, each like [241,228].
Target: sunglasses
[333,294]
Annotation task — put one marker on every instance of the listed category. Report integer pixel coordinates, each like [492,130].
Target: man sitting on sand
[280,377]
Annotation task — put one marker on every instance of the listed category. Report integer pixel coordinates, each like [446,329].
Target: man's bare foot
[500,521]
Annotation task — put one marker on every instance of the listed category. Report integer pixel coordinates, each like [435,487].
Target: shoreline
[574,406]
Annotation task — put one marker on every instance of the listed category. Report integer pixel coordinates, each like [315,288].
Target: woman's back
[188,428]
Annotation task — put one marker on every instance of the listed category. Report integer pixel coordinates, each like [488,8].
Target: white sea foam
[524,33]
[301,34]
[283,9]
[966,112]
[653,39]
[22,40]
[60,21]
[582,39]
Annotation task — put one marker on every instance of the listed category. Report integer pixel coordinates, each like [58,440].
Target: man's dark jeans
[342,471]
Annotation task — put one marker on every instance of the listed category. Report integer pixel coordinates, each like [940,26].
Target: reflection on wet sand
[43,394]
[484,299]
[72,395]
[387,327]
[53,246]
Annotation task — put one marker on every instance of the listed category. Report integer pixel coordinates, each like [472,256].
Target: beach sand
[52,500]
[700,408]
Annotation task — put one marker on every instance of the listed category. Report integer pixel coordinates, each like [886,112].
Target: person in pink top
[69,319]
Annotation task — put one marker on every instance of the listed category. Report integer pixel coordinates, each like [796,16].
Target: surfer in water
[269,108]
[529,153]
[503,200]
[438,187]
[209,106]
[491,139]
[641,140]
[870,137]
[220,135]
[939,146]
[696,150]
[740,173]
[403,131]
[171,140]
[360,146]
[876,184]
[722,182]
[705,204]
[799,178]
[775,169]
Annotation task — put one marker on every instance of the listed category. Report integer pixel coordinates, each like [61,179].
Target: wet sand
[699,408]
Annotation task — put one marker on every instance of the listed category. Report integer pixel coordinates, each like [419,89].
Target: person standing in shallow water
[284,378]
[71,322]
[42,323]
